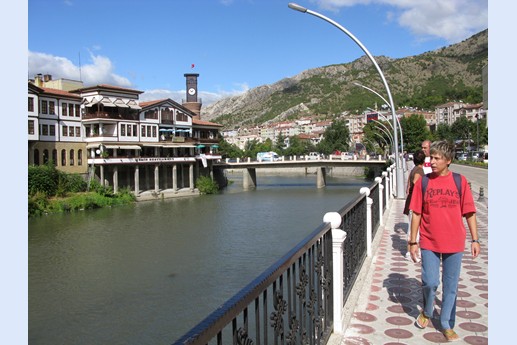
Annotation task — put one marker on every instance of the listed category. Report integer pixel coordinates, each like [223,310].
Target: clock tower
[193,103]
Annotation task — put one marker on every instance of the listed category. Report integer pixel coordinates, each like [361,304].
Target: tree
[414,130]
[336,137]
[228,150]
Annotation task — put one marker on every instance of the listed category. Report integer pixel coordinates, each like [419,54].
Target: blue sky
[235,45]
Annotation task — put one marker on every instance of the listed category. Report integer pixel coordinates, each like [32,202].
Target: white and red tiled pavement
[391,297]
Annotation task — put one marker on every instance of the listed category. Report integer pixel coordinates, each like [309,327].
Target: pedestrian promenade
[390,298]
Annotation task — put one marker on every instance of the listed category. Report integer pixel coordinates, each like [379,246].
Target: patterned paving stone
[479,280]
[361,329]
[465,304]
[356,341]
[435,337]
[473,327]
[398,333]
[399,320]
[467,314]
[366,317]
[476,340]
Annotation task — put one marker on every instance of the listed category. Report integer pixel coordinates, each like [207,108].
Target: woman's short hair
[419,157]
[442,148]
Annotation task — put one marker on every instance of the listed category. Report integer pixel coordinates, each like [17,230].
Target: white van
[268,156]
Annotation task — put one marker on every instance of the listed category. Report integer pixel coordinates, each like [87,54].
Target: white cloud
[98,71]
[206,97]
[451,20]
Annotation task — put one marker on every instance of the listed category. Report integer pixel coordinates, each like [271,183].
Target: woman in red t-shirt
[438,215]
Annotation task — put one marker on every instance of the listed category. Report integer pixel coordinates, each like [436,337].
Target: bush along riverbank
[52,191]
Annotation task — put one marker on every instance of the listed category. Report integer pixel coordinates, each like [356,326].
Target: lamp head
[297,7]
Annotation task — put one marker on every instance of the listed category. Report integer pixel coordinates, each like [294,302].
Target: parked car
[462,157]
[314,156]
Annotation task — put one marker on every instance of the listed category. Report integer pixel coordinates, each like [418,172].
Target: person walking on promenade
[426,145]
[414,175]
[438,212]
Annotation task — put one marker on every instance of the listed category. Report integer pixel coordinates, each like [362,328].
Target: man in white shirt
[426,146]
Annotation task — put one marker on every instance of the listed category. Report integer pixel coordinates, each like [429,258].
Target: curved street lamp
[387,103]
[385,130]
[400,192]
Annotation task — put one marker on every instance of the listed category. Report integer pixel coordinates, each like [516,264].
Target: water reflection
[146,273]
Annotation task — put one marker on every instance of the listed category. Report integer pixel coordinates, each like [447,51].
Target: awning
[123,147]
[166,130]
[120,103]
[132,104]
[92,146]
[107,102]
[200,146]
[215,146]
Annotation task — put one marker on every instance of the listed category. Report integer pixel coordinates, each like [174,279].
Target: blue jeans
[451,267]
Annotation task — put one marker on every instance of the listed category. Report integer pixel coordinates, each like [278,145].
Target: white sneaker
[408,256]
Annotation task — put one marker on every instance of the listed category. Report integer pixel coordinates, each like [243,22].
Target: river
[148,272]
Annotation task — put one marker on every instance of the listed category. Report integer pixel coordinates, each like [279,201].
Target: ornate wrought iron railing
[292,301]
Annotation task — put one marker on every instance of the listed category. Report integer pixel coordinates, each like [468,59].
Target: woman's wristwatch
[475,241]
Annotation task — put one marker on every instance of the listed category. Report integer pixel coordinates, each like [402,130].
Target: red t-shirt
[441,225]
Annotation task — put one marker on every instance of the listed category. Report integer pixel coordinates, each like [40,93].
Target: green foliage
[206,185]
[336,137]
[44,179]
[414,131]
[228,150]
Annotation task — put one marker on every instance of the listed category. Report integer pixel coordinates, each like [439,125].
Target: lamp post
[477,132]
[385,130]
[400,193]
[387,103]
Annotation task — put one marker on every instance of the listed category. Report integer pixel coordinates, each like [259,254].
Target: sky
[234,45]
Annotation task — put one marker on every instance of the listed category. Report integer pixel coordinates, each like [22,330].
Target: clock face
[191,91]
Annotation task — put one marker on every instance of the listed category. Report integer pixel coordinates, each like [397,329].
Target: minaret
[193,103]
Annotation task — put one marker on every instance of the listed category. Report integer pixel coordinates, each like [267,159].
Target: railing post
[381,187]
[338,239]
[369,202]
[392,181]
[387,190]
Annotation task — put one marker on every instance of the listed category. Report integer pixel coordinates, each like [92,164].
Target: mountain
[423,81]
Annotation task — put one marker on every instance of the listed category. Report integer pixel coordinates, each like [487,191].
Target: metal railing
[292,302]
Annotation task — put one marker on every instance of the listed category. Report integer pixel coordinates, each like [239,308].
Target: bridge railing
[300,298]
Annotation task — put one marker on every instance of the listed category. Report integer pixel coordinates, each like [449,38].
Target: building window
[78,132]
[143,131]
[44,129]
[54,157]
[63,158]
[52,130]
[135,130]
[44,107]
[71,157]
[31,103]
[154,132]
[64,131]
[64,109]
[181,117]
[70,131]
[77,110]
[45,156]
[52,108]
[70,109]
[123,130]
[79,157]
[149,131]
[36,157]
[31,127]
